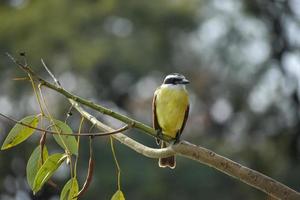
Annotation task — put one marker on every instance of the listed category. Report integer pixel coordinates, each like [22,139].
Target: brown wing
[186,115]
[154,117]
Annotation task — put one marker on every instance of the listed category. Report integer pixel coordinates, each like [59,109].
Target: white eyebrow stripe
[172,76]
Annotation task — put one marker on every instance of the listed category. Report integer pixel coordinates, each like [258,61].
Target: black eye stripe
[172,80]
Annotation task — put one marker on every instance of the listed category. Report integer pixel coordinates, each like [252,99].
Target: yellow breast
[171,104]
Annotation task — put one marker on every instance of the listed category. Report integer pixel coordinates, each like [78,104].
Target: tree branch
[185,149]
[251,177]
[204,156]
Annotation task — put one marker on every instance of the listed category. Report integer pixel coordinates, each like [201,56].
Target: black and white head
[176,79]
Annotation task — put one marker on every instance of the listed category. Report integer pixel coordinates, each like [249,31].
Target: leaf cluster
[41,166]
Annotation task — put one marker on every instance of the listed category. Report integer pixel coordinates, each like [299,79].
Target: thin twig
[21,79]
[50,73]
[122,129]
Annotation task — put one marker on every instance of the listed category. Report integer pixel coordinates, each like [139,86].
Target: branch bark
[200,154]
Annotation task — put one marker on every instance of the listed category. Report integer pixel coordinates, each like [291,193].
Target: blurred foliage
[242,58]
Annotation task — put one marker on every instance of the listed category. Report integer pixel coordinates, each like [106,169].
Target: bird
[170,110]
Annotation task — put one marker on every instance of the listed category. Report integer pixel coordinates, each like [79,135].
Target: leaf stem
[116,162]
[78,145]
[90,172]
[36,94]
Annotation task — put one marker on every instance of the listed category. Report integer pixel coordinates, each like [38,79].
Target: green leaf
[47,170]
[69,141]
[34,164]
[70,190]
[118,196]
[20,133]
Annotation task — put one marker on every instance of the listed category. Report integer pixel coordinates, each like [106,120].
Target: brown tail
[167,162]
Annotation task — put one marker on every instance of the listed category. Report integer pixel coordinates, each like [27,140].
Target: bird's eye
[169,81]
[177,80]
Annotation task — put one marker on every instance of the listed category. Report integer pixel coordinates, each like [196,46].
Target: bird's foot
[177,139]
[159,136]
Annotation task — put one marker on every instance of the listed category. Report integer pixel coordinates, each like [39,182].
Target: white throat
[174,87]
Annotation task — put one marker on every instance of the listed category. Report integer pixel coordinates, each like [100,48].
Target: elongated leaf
[118,196]
[47,170]
[19,133]
[34,164]
[69,141]
[70,190]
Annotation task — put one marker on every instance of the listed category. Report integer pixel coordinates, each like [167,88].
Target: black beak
[185,81]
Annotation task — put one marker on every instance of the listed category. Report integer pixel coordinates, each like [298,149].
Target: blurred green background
[241,56]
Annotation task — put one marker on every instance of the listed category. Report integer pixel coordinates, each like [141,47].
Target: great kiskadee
[170,109]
